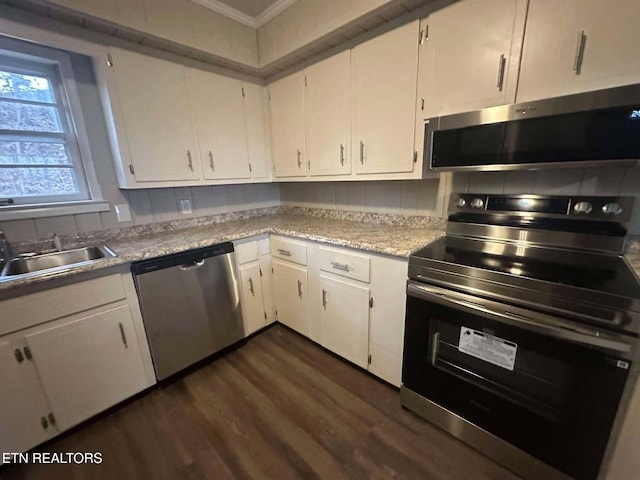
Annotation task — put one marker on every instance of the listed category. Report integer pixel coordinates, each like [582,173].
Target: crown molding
[248,20]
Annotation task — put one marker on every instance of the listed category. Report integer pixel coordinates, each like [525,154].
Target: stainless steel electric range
[521,328]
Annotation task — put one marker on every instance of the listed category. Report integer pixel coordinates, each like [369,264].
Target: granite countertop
[385,239]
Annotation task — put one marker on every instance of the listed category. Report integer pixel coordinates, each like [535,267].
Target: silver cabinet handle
[211,161]
[251,287]
[44,422]
[286,253]
[342,154]
[18,354]
[299,153]
[27,353]
[340,266]
[501,68]
[123,336]
[361,152]
[300,289]
[324,299]
[190,162]
[577,61]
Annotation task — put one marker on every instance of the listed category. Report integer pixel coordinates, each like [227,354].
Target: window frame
[56,66]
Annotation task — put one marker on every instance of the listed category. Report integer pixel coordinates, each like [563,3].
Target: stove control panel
[608,208]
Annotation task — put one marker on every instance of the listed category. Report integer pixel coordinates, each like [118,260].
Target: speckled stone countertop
[394,240]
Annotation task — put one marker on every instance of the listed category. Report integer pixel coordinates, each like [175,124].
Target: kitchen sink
[56,260]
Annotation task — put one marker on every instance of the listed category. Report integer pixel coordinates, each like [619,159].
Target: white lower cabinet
[60,366]
[386,323]
[291,295]
[23,406]
[255,316]
[344,319]
[254,265]
[89,364]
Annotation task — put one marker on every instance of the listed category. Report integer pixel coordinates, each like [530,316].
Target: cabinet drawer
[289,250]
[344,263]
[35,308]
[246,252]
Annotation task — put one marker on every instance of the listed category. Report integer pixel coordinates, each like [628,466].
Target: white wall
[405,197]
[418,197]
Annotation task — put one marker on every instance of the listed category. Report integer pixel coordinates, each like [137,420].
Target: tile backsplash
[420,197]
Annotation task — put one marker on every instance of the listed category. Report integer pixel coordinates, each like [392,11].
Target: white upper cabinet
[383,89]
[327,116]
[473,55]
[574,46]
[257,129]
[218,115]
[154,106]
[286,107]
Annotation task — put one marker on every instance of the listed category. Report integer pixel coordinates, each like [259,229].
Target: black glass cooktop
[592,271]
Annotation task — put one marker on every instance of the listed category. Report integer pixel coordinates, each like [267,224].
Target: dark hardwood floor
[278,407]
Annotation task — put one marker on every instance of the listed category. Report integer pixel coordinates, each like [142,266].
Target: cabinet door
[88,365]
[574,46]
[474,54]
[267,287]
[291,295]
[218,115]
[287,126]
[155,109]
[383,83]
[252,297]
[22,403]
[327,113]
[344,319]
[257,127]
[386,329]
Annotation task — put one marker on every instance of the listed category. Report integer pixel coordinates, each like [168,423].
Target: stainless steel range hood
[586,129]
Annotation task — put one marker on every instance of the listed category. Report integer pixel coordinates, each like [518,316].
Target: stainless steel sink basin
[55,260]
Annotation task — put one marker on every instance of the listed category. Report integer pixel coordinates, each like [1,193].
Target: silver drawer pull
[340,266]
[501,68]
[286,253]
[577,61]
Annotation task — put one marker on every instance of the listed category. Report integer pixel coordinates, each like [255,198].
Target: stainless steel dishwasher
[190,305]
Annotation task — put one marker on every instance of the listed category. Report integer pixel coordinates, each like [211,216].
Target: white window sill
[21,212]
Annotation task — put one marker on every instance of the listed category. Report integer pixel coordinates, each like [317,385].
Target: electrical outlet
[185,206]
[123,214]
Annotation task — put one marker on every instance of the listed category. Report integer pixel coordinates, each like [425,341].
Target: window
[43,161]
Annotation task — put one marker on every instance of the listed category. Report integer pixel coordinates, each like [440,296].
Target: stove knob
[612,209]
[460,202]
[583,207]
[477,203]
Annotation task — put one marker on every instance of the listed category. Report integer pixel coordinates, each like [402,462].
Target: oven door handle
[529,320]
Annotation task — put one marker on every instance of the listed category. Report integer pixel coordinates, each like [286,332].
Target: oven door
[543,384]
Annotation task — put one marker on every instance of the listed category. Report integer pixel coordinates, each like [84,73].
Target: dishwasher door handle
[192,266]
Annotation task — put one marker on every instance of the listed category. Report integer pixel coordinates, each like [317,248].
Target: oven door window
[557,400]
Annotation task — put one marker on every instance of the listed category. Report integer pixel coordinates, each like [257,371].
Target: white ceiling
[253,13]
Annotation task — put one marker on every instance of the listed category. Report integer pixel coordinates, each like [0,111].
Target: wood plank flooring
[278,407]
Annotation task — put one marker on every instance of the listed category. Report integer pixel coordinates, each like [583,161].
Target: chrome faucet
[6,251]
[57,242]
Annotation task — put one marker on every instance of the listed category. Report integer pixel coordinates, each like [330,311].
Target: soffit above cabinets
[253,13]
